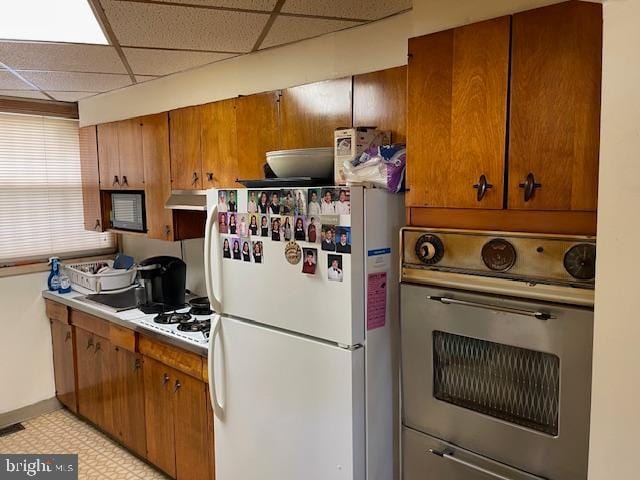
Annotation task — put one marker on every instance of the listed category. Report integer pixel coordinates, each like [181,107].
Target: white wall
[26,361]
[362,49]
[615,415]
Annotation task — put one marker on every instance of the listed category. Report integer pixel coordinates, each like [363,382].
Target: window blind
[41,212]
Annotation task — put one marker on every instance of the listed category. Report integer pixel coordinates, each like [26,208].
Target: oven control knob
[580,261]
[429,249]
[498,255]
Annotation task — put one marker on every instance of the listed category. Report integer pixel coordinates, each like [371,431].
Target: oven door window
[513,384]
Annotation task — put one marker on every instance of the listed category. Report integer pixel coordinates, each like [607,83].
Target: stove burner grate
[195,326]
[170,318]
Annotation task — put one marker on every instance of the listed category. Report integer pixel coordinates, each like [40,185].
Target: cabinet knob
[210,176]
[97,227]
[125,182]
[116,181]
[68,336]
[482,186]
[137,365]
[165,379]
[176,386]
[529,186]
[167,230]
[89,343]
[194,178]
[98,347]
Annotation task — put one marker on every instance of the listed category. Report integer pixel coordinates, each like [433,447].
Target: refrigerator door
[285,407]
[277,293]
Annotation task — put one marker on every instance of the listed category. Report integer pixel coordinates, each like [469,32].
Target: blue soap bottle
[53,282]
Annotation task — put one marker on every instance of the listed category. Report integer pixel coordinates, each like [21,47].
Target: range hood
[187,200]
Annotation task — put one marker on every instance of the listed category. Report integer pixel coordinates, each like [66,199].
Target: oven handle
[497,308]
[449,455]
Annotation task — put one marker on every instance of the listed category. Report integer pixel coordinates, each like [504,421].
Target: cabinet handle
[482,186]
[68,336]
[167,230]
[165,379]
[176,386]
[529,186]
[137,365]
[98,347]
[210,176]
[125,182]
[89,343]
[116,181]
[97,227]
[194,178]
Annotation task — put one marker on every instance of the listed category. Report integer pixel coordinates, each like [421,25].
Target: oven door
[503,378]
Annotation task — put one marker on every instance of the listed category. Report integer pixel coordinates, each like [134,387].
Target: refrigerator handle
[210,236]
[217,407]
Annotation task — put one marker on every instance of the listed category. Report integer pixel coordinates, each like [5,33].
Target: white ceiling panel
[163,62]
[61,57]
[369,10]
[69,96]
[24,94]
[9,81]
[266,5]
[291,29]
[169,26]
[77,82]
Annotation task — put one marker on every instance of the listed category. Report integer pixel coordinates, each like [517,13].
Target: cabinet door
[88,377]
[554,134]
[159,415]
[457,116]
[257,132]
[90,179]
[108,156]
[186,154]
[380,100]
[310,113]
[157,173]
[128,399]
[192,446]
[103,362]
[63,364]
[218,137]
[130,154]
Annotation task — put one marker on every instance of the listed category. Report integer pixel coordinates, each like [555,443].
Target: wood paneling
[310,113]
[567,223]
[175,357]
[63,342]
[159,415]
[30,106]
[186,153]
[257,132]
[380,100]
[90,323]
[90,176]
[56,311]
[130,154]
[157,173]
[457,107]
[218,140]
[108,156]
[555,106]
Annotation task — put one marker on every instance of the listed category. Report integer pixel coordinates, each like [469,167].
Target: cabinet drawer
[174,357]
[56,311]
[122,337]
[90,323]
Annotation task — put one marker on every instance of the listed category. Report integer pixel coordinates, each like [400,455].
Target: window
[41,213]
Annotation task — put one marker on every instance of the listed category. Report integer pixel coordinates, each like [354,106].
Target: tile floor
[98,456]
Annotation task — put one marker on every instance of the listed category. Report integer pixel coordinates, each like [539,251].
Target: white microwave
[128,212]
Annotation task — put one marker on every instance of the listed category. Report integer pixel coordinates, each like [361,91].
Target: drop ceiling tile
[164,62]
[24,94]
[145,78]
[291,29]
[9,81]
[169,26]
[266,5]
[77,82]
[61,57]
[369,10]
[70,96]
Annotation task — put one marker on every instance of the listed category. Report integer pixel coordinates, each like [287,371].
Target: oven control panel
[532,258]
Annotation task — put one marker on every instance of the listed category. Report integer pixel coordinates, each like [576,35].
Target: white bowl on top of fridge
[302,162]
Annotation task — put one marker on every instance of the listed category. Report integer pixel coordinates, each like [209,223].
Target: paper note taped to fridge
[376,300]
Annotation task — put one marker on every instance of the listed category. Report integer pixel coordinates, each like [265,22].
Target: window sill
[44,266]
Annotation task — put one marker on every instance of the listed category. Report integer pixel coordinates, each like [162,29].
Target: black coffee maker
[164,279]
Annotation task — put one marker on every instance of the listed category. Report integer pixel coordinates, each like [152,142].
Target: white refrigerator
[303,354]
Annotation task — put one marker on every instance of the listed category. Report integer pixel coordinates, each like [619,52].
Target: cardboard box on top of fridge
[351,142]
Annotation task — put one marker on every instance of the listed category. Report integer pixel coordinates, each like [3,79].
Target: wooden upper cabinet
[90,176]
[157,173]
[257,132]
[218,140]
[555,107]
[380,100]
[130,154]
[310,113]
[457,116]
[186,153]
[108,156]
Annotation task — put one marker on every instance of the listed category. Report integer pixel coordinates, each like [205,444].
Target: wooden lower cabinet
[63,341]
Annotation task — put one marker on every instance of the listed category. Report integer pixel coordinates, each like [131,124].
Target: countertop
[126,319]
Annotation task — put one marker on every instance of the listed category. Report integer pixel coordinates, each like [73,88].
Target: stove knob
[429,249]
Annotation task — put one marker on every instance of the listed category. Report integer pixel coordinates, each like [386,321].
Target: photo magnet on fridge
[246,249]
[300,228]
[287,201]
[264,226]
[252,201]
[232,200]
[314,226]
[334,271]
[226,247]
[233,223]
[313,207]
[243,224]
[328,238]
[222,201]
[274,202]
[300,205]
[342,203]
[263,201]
[236,252]
[343,240]
[258,252]
[276,226]
[253,224]
[310,256]
[287,228]
[327,201]
[223,226]
[293,252]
